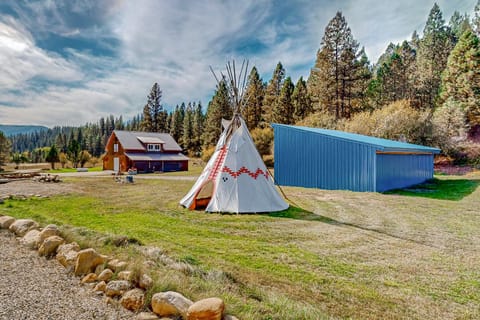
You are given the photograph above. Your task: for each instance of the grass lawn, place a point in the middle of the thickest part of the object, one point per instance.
(334, 254)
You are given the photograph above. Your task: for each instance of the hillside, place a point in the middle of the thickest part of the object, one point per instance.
(10, 130)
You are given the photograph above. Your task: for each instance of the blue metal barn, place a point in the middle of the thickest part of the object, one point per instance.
(336, 160)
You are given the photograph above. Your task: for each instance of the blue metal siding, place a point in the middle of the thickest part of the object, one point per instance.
(312, 160)
(398, 171)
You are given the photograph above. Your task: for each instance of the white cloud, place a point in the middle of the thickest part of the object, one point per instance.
(21, 60)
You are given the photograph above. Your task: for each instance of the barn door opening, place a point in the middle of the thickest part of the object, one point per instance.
(203, 196)
(116, 164)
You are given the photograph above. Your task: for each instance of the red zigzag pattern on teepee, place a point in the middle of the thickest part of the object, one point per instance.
(243, 170)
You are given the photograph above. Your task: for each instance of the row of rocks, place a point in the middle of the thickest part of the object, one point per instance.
(98, 271)
(20, 196)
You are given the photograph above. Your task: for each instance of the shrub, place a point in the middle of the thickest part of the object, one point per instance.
(396, 121)
(319, 120)
(268, 160)
(449, 127)
(263, 139)
(207, 153)
(468, 153)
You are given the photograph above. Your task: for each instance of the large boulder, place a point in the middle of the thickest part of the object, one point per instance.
(67, 254)
(117, 288)
(87, 261)
(170, 304)
(206, 309)
(133, 300)
(229, 317)
(21, 226)
(48, 231)
(105, 275)
(30, 239)
(6, 222)
(50, 245)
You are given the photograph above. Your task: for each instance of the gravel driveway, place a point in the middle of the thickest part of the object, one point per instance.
(30, 188)
(32, 287)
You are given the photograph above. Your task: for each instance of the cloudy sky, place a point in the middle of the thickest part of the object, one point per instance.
(68, 62)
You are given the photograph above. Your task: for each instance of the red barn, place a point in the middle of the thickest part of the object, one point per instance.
(144, 151)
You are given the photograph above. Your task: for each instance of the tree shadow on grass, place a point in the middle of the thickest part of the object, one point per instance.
(294, 212)
(442, 189)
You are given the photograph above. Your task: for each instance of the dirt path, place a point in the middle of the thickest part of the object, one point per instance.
(32, 287)
(30, 188)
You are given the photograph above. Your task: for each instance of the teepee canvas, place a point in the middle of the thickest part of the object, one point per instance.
(235, 178)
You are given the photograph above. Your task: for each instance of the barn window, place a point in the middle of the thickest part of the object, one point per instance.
(153, 147)
(115, 147)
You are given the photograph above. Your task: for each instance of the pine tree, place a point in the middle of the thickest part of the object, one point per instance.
(415, 42)
(99, 147)
(254, 93)
(80, 139)
(154, 117)
(119, 125)
(432, 57)
(283, 111)
(73, 152)
(5, 147)
(176, 124)
(458, 24)
(187, 128)
(333, 76)
(461, 79)
(408, 54)
(52, 156)
(393, 76)
(361, 79)
(302, 105)
(147, 124)
(272, 92)
(155, 107)
(476, 19)
(197, 129)
(218, 108)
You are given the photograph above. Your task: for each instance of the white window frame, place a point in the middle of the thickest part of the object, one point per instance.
(153, 147)
(115, 147)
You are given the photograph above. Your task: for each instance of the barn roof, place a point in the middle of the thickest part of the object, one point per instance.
(131, 140)
(138, 156)
(381, 144)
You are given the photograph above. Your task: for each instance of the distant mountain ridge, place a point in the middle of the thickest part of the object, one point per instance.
(10, 130)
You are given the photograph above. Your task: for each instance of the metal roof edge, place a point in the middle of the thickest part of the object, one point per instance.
(411, 147)
(301, 128)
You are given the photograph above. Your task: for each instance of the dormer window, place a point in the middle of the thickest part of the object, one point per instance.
(153, 147)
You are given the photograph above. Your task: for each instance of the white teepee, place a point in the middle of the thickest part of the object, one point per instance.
(235, 178)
